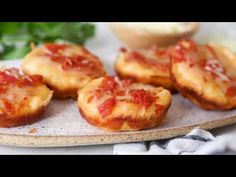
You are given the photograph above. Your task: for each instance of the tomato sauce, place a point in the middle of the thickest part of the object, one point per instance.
(149, 62)
(107, 106)
(142, 98)
(109, 85)
(13, 76)
(179, 52)
(231, 91)
(86, 62)
(178, 56)
(8, 106)
(6, 78)
(127, 82)
(31, 81)
(55, 48)
(3, 89)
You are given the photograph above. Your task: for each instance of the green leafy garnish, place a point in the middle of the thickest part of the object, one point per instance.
(15, 37)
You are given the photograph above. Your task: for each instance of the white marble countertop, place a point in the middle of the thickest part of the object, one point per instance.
(106, 42)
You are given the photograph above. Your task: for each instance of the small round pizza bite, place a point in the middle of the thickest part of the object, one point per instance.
(120, 105)
(64, 67)
(150, 66)
(206, 74)
(22, 98)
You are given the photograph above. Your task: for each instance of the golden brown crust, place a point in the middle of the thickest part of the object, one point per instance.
(154, 80)
(201, 83)
(60, 93)
(28, 116)
(116, 123)
(27, 119)
(122, 113)
(22, 98)
(197, 98)
(150, 68)
(57, 74)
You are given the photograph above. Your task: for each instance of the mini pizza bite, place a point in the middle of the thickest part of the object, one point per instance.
(64, 67)
(120, 105)
(22, 98)
(150, 66)
(206, 74)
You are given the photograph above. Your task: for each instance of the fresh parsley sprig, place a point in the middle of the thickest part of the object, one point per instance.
(15, 37)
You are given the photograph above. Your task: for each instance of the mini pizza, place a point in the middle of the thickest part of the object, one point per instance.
(206, 74)
(22, 98)
(65, 68)
(120, 105)
(149, 66)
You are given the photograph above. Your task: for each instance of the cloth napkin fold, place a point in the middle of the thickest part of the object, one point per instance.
(198, 141)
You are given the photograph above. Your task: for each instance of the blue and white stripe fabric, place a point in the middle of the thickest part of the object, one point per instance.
(197, 142)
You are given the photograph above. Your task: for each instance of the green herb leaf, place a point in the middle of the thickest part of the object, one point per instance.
(13, 52)
(15, 37)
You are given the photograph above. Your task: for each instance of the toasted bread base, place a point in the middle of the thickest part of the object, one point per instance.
(124, 123)
(125, 115)
(23, 119)
(65, 83)
(154, 80)
(60, 92)
(206, 94)
(30, 113)
(199, 99)
(140, 74)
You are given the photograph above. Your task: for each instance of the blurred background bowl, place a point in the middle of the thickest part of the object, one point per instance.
(144, 35)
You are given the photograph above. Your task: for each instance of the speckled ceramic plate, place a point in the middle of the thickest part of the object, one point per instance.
(62, 124)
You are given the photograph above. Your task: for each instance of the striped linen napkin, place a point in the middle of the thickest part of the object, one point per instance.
(196, 142)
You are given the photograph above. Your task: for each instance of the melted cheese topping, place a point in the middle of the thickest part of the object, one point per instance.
(147, 63)
(37, 62)
(25, 100)
(146, 66)
(122, 108)
(213, 66)
(211, 73)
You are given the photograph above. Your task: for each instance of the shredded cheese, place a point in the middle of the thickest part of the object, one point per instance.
(215, 67)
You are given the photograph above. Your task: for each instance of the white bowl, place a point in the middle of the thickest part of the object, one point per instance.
(144, 35)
